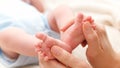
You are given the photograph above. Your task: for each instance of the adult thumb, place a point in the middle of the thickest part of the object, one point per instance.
(67, 58)
(90, 36)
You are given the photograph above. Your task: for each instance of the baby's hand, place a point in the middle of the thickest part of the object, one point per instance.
(45, 46)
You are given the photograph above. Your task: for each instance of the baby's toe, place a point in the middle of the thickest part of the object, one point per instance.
(79, 18)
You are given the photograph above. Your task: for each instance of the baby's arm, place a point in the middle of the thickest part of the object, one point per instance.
(14, 41)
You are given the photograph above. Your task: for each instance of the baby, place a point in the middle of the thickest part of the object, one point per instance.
(19, 22)
(22, 21)
(71, 34)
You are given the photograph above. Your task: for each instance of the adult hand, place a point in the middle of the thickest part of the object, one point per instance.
(68, 59)
(50, 63)
(99, 52)
(64, 60)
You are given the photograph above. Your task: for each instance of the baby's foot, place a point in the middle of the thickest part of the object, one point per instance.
(73, 35)
(45, 46)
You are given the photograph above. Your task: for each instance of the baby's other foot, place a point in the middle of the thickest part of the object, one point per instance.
(47, 42)
(74, 35)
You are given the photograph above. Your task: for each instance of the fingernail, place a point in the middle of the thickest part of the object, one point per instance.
(55, 50)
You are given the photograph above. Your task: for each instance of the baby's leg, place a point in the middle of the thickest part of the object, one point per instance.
(14, 41)
(45, 46)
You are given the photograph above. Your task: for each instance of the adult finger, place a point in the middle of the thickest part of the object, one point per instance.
(49, 63)
(90, 35)
(67, 58)
(103, 38)
(67, 26)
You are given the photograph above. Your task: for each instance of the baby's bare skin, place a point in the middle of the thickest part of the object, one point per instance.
(72, 35)
(73, 32)
(45, 45)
